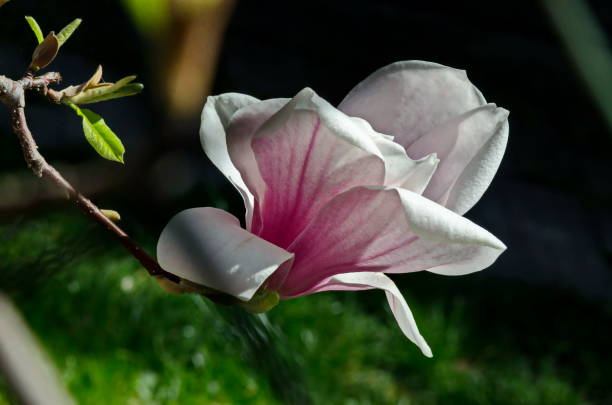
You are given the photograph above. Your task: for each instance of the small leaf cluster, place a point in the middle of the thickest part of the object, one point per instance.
(97, 132)
(47, 48)
(93, 91)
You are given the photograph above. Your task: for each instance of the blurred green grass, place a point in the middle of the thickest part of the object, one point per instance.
(119, 339)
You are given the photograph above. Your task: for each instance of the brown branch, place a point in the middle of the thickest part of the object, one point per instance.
(41, 84)
(12, 95)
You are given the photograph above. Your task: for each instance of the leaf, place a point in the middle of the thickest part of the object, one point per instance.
(101, 92)
(95, 79)
(103, 84)
(68, 30)
(92, 82)
(45, 52)
(120, 83)
(128, 90)
(35, 27)
(100, 136)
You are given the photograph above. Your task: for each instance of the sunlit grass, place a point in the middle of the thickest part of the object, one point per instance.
(117, 338)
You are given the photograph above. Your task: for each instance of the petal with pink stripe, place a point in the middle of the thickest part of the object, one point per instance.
(384, 229)
(306, 154)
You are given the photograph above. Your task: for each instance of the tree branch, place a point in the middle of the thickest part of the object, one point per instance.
(12, 95)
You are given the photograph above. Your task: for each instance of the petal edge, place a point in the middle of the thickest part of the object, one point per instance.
(215, 119)
(407, 99)
(397, 303)
(207, 246)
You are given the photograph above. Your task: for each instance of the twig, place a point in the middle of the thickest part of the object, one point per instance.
(12, 94)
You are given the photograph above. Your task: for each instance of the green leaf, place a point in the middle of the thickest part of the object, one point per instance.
(36, 28)
(121, 83)
(127, 90)
(67, 31)
(100, 136)
(94, 96)
(122, 88)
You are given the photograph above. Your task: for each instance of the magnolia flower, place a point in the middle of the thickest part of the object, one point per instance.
(337, 197)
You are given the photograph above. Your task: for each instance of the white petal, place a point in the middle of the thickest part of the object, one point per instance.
(470, 148)
(401, 170)
(419, 177)
(207, 246)
(463, 247)
(398, 304)
(216, 117)
(407, 99)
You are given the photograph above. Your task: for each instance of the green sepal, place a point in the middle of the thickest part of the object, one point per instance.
(100, 136)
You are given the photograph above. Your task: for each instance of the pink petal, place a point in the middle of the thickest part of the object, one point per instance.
(399, 307)
(207, 246)
(240, 133)
(385, 229)
(470, 148)
(306, 154)
(408, 99)
(216, 116)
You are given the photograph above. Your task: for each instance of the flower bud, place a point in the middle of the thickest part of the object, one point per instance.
(45, 52)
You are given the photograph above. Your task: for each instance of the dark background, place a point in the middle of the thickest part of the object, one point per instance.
(551, 201)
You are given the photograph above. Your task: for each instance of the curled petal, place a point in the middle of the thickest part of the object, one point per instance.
(363, 229)
(216, 116)
(407, 99)
(306, 153)
(399, 307)
(207, 246)
(470, 148)
(418, 178)
(401, 170)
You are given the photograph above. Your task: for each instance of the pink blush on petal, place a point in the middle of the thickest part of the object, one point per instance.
(304, 165)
